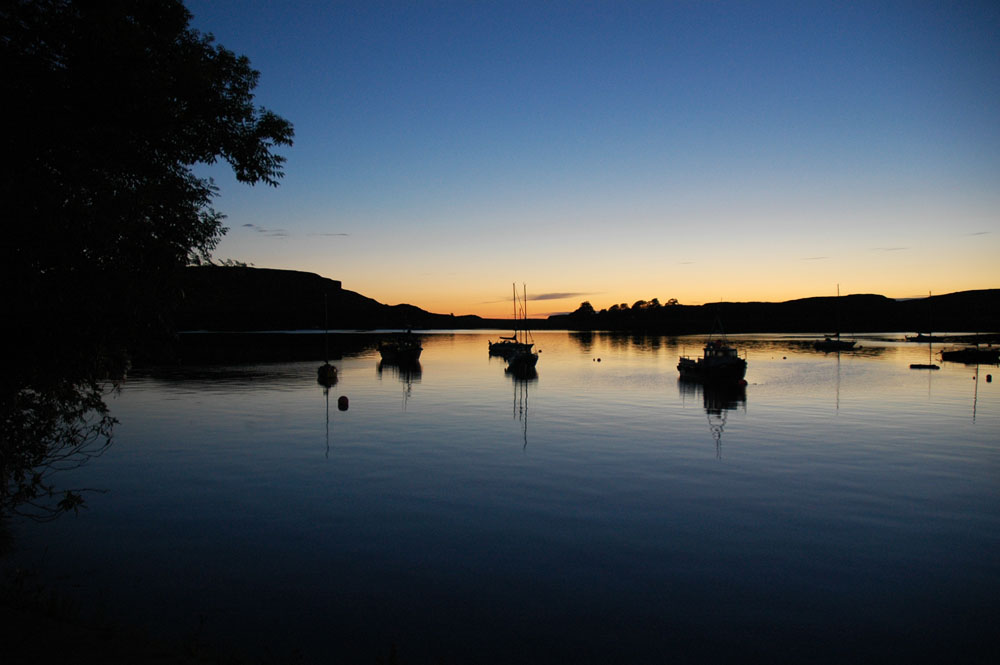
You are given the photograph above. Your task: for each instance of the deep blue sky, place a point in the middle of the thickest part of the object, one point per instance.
(618, 151)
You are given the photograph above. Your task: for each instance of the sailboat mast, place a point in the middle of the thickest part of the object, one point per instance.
(513, 291)
(930, 332)
(838, 312)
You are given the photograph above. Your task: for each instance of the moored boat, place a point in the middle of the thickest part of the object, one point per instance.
(522, 360)
(834, 344)
(405, 350)
(507, 347)
(972, 354)
(516, 349)
(326, 375)
(719, 363)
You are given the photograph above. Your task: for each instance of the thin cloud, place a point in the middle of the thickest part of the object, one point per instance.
(543, 296)
(979, 233)
(888, 249)
(685, 263)
(328, 234)
(815, 258)
(556, 296)
(271, 233)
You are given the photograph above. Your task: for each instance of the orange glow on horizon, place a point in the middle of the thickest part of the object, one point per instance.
(460, 286)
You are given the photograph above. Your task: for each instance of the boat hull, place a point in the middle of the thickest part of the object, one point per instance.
(522, 360)
(972, 356)
(707, 372)
(834, 345)
(399, 355)
(326, 375)
(508, 349)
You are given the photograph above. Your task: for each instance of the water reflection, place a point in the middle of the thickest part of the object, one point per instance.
(808, 347)
(426, 505)
(595, 343)
(326, 398)
(975, 393)
(521, 379)
(619, 341)
(718, 400)
(225, 379)
(407, 373)
(583, 339)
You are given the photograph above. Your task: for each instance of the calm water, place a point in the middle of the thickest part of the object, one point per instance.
(842, 509)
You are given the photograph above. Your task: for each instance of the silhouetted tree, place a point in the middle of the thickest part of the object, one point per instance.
(109, 105)
(585, 309)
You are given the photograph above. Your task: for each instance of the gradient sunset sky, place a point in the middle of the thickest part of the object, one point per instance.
(617, 151)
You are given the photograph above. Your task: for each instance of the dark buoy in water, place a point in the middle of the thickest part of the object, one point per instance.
(342, 403)
(598, 360)
(989, 378)
(742, 383)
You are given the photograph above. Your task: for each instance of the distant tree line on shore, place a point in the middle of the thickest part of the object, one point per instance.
(966, 311)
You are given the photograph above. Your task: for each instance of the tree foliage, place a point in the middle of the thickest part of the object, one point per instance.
(642, 315)
(110, 106)
(46, 430)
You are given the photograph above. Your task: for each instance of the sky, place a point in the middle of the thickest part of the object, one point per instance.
(620, 151)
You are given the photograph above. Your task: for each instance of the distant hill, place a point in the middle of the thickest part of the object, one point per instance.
(967, 311)
(239, 299)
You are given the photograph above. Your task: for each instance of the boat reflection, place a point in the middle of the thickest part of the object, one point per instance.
(521, 378)
(718, 400)
(407, 373)
(524, 373)
(326, 398)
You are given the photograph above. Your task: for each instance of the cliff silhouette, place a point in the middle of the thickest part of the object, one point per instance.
(224, 298)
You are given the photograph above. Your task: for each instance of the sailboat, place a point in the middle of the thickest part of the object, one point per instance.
(507, 347)
(516, 350)
(326, 374)
(973, 355)
(930, 342)
(834, 343)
